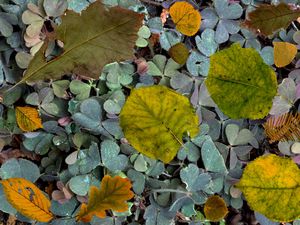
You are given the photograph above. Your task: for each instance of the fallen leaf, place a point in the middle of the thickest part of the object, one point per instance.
(28, 118)
(88, 42)
(179, 53)
(27, 199)
(17, 153)
(284, 53)
(270, 185)
(285, 127)
(112, 195)
(186, 18)
(267, 19)
(154, 120)
(215, 208)
(240, 83)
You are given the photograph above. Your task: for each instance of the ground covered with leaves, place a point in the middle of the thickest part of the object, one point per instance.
(149, 112)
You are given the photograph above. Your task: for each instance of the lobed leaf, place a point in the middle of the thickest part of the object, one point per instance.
(271, 187)
(112, 195)
(25, 197)
(154, 120)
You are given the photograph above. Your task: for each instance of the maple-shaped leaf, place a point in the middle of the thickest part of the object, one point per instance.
(28, 118)
(91, 39)
(267, 19)
(112, 195)
(27, 199)
(271, 187)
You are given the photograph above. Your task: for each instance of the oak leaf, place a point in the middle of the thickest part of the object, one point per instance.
(91, 39)
(186, 18)
(27, 199)
(112, 195)
(28, 118)
(155, 119)
(267, 19)
(271, 186)
(284, 53)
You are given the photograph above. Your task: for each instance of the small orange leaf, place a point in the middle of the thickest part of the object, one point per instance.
(179, 53)
(186, 18)
(27, 199)
(284, 53)
(112, 195)
(215, 208)
(28, 118)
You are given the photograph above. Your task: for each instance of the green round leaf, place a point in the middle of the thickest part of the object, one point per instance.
(240, 83)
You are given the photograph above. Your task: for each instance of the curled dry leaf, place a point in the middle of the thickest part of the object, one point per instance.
(28, 118)
(113, 194)
(27, 199)
(186, 18)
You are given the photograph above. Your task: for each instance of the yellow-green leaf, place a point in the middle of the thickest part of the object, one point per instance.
(271, 185)
(215, 208)
(28, 118)
(179, 53)
(186, 18)
(154, 120)
(240, 83)
(91, 39)
(284, 53)
(112, 195)
(27, 199)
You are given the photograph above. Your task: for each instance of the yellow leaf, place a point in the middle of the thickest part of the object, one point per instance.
(25, 197)
(215, 208)
(28, 118)
(112, 195)
(186, 18)
(284, 53)
(179, 53)
(271, 185)
(155, 119)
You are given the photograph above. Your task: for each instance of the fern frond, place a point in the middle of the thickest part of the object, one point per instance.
(285, 127)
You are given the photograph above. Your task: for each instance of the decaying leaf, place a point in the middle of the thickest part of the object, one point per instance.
(186, 18)
(17, 153)
(215, 208)
(285, 127)
(271, 187)
(284, 53)
(112, 195)
(25, 197)
(28, 118)
(267, 19)
(179, 53)
(240, 83)
(154, 120)
(91, 39)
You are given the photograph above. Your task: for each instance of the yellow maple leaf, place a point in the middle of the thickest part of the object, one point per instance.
(284, 53)
(27, 199)
(28, 118)
(112, 195)
(186, 18)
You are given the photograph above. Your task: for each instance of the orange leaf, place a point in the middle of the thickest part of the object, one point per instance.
(112, 195)
(25, 197)
(186, 18)
(284, 53)
(28, 118)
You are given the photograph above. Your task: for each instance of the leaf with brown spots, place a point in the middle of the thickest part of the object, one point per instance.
(28, 118)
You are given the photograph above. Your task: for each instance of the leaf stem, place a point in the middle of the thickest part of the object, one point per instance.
(171, 190)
